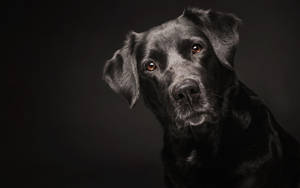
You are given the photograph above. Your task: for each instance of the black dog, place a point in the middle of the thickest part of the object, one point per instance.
(217, 132)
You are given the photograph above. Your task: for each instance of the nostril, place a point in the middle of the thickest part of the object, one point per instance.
(194, 91)
(180, 96)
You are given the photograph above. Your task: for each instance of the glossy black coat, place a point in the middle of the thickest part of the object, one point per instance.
(220, 135)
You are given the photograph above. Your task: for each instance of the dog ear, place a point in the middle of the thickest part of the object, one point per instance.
(221, 29)
(120, 72)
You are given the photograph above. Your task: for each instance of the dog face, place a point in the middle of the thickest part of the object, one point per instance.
(182, 68)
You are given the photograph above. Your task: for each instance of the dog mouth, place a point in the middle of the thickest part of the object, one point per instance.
(196, 119)
(196, 115)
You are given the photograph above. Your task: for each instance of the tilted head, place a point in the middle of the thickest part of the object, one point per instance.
(182, 68)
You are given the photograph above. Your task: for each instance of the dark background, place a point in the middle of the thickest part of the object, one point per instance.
(71, 130)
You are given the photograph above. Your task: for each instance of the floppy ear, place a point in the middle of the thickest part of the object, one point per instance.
(120, 72)
(221, 29)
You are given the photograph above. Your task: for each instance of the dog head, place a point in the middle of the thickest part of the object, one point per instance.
(182, 68)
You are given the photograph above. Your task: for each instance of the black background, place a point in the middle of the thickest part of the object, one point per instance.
(71, 130)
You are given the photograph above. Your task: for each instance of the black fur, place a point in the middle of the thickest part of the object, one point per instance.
(217, 132)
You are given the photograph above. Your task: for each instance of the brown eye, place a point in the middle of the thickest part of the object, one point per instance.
(150, 66)
(196, 48)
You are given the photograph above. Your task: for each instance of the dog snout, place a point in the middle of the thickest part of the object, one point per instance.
(185, 90)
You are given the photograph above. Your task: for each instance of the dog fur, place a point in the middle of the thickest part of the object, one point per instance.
(217, 132)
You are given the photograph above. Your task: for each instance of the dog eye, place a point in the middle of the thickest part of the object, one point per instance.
(196, 48)
(150, 66)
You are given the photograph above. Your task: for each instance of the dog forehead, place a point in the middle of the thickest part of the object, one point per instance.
(167, 34)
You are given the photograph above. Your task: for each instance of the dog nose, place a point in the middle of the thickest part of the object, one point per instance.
(185, 90)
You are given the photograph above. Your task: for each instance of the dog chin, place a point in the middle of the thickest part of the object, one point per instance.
(196, 120)
(199, 119)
